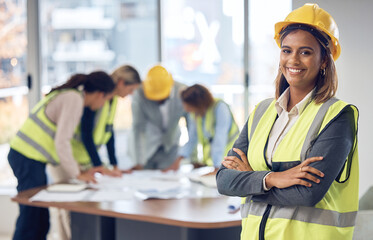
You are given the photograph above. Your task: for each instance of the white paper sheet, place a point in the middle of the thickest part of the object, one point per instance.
(66, 187)
(47, 196)
(147, 184)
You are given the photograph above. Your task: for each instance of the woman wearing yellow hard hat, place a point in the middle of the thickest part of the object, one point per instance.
(295, 163)
(156, 110)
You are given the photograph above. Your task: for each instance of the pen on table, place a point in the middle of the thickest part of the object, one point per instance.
(233, 209)
(234, 204)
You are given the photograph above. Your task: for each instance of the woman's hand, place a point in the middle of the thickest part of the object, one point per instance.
(198, 165)
(116, 172)
(295, 175)
(87, 176)
(211, 173)
(105, 171)
(233, 162)
(137, 167)
(174, 166)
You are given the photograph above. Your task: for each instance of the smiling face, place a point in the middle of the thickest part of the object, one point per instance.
(300, 60)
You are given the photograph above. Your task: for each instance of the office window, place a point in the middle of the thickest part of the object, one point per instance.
(264, 53)
(13, 89)
(203, 43)
(84, 36)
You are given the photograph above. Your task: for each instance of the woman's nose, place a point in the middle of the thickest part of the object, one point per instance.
(294, 58)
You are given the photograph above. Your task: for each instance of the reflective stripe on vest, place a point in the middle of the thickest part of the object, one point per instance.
(102, 131)
(334, 216)
(209, 127)
(38, 147)
(104, 120)
(304, 214)
(35, 139)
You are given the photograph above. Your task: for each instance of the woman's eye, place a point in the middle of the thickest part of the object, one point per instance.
(306, 52)
(285, 50)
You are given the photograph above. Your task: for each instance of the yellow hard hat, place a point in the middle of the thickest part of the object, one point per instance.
(316, 17)
(158, 83)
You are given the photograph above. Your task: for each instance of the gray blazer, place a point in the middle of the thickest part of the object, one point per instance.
(148, 133)
(333, 143)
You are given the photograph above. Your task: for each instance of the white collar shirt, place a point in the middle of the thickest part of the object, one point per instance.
(284, 121)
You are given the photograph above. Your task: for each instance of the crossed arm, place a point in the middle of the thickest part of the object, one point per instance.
(292, 187)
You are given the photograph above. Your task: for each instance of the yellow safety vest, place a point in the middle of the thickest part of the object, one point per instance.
(102, 131)
(331, 218)
(210, 122)
(35, 139)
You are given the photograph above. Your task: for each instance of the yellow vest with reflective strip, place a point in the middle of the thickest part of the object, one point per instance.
(102, 131)
(210, 122)
(331, 218)
(35, 139)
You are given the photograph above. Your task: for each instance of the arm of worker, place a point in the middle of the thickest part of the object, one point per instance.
(240, 183)
(186, 150)
(68, 117)
(138, 132)
(110, 146)
(222, 127)
(333, 144)
(87, 125)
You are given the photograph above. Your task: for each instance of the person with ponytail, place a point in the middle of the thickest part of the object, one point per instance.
(97, 129)
(48, 136)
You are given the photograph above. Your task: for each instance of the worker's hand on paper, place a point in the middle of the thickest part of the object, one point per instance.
(174, 166)
(87, 176)
(296, 175)
(137, 167)
(212, 173)
(198, 165)
(105, 171)
(116, 172)
(233, 162)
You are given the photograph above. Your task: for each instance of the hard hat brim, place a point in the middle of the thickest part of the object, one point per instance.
(156, 96)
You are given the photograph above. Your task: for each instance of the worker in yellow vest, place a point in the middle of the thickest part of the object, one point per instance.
(96, 129)
(97, 126)
(46, 137)
(100, 130)
(210, 123)
(295, 162)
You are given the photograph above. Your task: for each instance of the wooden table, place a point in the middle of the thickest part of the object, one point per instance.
(184, 219)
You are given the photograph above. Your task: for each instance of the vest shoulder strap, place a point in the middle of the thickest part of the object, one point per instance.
(315, 127)
(260, 110)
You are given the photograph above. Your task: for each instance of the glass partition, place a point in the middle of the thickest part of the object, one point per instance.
(13, 89)
(83, 36)
(264, 53)
(203, 43)
(88, 35)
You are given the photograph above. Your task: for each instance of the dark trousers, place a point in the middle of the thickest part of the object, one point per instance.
(32, 222)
